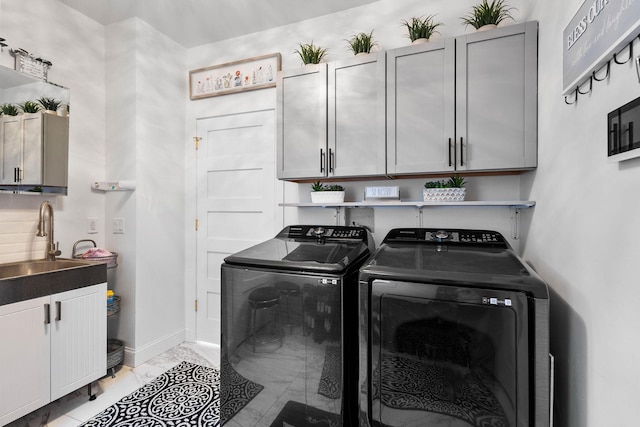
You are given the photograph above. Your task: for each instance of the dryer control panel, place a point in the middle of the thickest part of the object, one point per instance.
(483, 238)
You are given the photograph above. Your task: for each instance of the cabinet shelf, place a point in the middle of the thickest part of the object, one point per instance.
(518, 204)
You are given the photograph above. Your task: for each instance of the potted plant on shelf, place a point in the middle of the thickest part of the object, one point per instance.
(321, 193)
(28, 107)
(451, 190)
(361, 43)
(50, 105)
(310, 53)
(485, 15)
(9, 110)
(421, 29)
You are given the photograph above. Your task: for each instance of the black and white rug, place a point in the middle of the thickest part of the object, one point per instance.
(236, 392)
(433, 387)
(186, 395)
(330, 381)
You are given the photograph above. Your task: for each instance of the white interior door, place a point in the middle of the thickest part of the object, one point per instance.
(237, 201)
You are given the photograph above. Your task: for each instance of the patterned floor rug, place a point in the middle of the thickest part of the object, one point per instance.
(432, 387)
(236, 391)
(330, 382)
(186, 395)
(296, 414)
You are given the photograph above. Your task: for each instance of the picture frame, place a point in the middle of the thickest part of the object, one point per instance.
(254, 73)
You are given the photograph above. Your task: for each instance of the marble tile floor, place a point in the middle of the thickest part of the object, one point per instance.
(75, 408)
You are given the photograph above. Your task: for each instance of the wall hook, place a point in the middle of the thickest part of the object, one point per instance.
(608, 67)
(590, 87)
(630, 47)
(575, 97)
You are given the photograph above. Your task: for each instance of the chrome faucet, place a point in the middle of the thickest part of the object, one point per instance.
(52, 248)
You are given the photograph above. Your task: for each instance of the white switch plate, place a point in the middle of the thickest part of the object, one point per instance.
(118, 225)
(92, 225)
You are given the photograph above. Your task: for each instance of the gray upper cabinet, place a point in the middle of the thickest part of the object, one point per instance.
(420, 108)
(464, 104)
(302, 122)
(496, 98)
(356, 121)
(34, 150)
(456, 104)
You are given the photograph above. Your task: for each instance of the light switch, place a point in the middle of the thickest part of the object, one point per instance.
(92, 225)
(118, 225)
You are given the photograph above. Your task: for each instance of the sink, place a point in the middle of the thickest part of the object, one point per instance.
(20, 281)
(27, 268)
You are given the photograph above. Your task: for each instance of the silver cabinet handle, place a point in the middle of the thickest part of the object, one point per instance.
(58, 311)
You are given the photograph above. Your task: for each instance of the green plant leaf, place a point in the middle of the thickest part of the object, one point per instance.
(486, 13)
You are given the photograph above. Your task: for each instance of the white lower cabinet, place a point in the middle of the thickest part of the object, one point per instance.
(51, 346)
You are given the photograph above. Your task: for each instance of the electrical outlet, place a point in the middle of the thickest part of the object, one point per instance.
(118, 225)
(92, 226)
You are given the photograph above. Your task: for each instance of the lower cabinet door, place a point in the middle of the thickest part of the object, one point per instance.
(24, 358)
(78, 338)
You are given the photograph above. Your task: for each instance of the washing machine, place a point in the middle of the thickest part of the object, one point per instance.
(289, 329)
(454, 331)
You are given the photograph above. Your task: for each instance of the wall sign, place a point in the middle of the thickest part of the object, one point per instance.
(598, 29)
(248, 74)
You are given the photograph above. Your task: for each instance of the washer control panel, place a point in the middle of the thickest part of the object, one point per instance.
(321, 232)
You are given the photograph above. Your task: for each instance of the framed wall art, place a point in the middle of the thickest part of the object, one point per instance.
(238, 76)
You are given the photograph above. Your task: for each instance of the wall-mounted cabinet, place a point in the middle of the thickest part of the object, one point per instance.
(34, 149)
(302, 122)
(457, 104)
(356, 119)
(331, 120)
(464, 104)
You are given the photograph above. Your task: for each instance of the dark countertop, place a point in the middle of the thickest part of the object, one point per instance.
(22, 288)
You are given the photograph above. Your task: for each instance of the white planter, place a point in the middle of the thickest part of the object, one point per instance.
(444, 194)
(487, 27)
(327, 196)
(420, 41)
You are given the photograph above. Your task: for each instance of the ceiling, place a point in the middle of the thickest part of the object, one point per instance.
(197, 22)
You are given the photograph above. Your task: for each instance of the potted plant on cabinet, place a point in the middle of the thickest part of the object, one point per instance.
(321, 193)
(421, 29)
(9, 110)
(361, 43)
(451, 190)
(29, 107)
(49, 105)
(310, 53)
(485, 15)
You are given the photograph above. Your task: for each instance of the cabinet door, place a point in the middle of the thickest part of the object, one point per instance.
(78, 338)
(356, 120)
(11, 148)
(32, 149)
(24, 359)
(420, 108)
(496, 98)
(302, 122)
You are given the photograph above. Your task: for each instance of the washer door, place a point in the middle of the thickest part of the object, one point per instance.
(448, 356)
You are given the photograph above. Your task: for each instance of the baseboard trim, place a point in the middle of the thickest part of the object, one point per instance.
(137, 356)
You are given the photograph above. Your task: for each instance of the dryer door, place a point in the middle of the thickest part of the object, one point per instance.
(448, 356)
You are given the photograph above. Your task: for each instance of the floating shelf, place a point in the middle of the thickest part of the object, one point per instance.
(114, 185)
(416, 204)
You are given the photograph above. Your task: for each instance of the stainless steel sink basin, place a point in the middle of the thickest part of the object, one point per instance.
(20, 281)
(27, 268)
